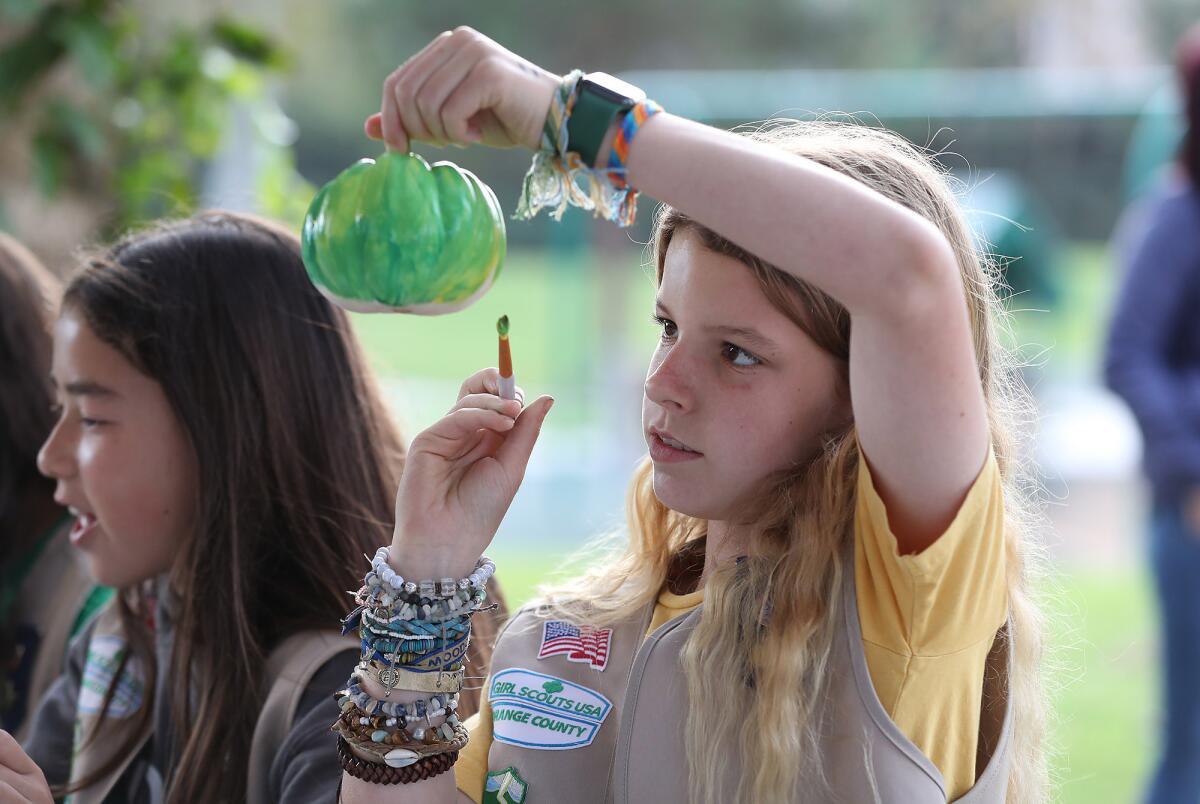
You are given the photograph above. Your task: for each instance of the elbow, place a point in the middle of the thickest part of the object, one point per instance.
(923, 274)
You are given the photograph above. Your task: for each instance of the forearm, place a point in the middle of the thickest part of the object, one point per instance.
(860, 247)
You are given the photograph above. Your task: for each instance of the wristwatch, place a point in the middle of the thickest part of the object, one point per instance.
(600, 97)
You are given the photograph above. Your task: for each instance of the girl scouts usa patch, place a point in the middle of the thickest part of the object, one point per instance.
(535, 710)
(504, 787)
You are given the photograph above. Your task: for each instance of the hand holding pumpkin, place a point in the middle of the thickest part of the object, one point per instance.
(397, 235)
(464, 88)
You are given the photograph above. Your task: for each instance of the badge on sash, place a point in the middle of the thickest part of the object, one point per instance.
(104, 656)
(579, 643)
(504, 787)
(534, 710)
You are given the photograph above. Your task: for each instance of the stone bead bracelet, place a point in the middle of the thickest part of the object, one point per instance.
(382, 575)
(400, 714)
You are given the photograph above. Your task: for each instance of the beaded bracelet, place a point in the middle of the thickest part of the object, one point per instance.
(383, 576)
(395, 640)
(377, 743)
(377, 729)
(463, 603)
(355, 696)
(396, 622)
(381, 773)
(374, 730)
(401, 748)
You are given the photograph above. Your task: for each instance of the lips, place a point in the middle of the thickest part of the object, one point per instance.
(665, 448)
(85, 525)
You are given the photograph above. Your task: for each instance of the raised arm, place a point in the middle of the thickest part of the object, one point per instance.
(916, 393)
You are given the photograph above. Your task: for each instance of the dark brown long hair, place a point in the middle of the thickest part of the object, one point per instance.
(28, 298)
(297, 459)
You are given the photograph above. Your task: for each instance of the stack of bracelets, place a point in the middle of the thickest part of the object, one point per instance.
(414, 638)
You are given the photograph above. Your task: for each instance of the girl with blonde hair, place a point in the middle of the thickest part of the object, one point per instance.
(825, 592)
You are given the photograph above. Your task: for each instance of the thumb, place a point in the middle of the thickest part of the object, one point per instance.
(374, 126)
(514, 453)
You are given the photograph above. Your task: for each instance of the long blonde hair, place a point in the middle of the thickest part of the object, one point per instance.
(772, 616)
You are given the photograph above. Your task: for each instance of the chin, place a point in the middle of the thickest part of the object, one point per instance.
(684, 499)
(105, 573)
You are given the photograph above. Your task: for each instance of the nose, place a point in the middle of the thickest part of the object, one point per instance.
(670, 380)
(56, 458)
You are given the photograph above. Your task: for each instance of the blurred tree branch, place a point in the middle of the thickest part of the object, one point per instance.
(131, 116)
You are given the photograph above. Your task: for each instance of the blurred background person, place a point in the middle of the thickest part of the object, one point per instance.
(45, 593)
(1153, 363)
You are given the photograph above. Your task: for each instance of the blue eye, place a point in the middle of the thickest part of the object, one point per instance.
(738, 356)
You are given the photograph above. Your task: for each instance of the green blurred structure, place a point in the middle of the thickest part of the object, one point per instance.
(1154, 142)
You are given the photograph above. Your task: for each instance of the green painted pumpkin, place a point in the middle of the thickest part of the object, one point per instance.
(397, 235)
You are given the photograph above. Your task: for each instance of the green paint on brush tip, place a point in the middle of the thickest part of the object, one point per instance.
(502, 326)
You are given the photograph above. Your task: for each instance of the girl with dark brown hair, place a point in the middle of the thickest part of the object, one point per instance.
(227, 456)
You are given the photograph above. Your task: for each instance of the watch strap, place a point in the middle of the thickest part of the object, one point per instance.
(591, 115)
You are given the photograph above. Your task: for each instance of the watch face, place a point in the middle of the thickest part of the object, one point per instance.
(612, 88)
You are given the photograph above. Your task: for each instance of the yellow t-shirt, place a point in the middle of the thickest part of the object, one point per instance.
(928, 622)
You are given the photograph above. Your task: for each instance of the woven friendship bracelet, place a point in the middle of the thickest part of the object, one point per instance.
(554, 179)
(618, 154)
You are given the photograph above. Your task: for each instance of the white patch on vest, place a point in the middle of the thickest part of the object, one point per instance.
(103, 658)
(535, 710)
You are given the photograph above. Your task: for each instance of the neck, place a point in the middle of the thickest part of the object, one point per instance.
(725, 543)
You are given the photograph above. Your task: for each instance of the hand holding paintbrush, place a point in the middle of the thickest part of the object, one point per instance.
(462, 473)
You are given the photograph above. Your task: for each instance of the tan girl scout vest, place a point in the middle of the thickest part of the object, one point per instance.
(596, 716)
(290, 667)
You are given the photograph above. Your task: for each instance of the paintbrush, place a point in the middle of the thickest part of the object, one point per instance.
(508, 384)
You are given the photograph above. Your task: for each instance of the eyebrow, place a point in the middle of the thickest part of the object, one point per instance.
(751, 337)
(88, 388)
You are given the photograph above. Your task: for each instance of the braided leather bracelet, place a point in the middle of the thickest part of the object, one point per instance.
(382, 774)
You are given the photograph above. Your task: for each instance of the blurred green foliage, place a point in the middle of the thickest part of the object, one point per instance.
(140, 112)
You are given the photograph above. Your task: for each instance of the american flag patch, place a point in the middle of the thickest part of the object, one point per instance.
(579, 643)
